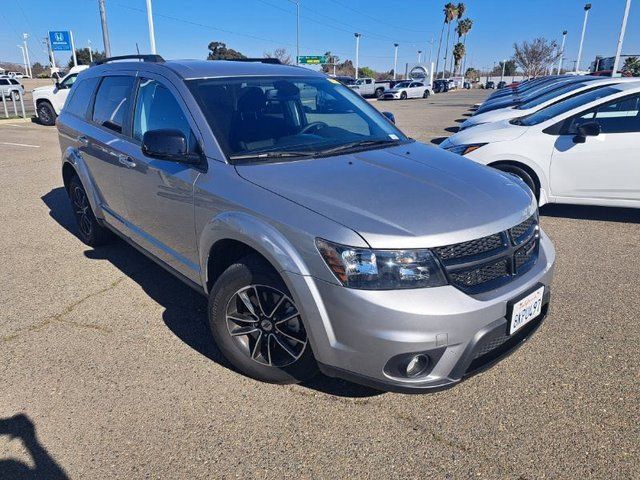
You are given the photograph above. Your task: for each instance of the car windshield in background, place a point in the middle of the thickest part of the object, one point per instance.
(281, 117)
(567, 105)
(545, 97)
(402, 85)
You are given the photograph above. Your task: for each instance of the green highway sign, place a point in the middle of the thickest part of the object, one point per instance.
(313, 60)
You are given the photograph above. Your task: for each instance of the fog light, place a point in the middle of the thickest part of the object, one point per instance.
(417, 365)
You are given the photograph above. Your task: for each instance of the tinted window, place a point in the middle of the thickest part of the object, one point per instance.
(69, 81)
(112, 102)
(4, 81)
(550, 95)
(14, 82)
(78, 102)
(619, 116)
(157, 108)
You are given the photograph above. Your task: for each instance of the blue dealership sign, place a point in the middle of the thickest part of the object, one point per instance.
(60, 40)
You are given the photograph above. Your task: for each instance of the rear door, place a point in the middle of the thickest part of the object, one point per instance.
(159, 193)
(604, 167)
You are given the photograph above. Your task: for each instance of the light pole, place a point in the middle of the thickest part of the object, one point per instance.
(587, 7)
(616, 62)
(297, 4)
(431, 49)
(395, 59)
(564, 39)
(105, 30)
(90, 52)
(358, 35)
(419, 55)
(504, 64)
(152, 34)
(26, 52)
(24, 59)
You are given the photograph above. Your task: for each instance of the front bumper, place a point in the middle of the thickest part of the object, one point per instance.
(358, 334)
(390, 96)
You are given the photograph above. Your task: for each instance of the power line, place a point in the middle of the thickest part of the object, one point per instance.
(377, 19)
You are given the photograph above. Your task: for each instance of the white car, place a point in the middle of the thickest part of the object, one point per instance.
(48, 101)
(583, 150)
(549, 98)
(11, 88)
(404, 90)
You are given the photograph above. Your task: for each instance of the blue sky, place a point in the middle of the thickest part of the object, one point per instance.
(184, 28)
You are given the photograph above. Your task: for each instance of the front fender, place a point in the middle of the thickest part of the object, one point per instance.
(257, 234)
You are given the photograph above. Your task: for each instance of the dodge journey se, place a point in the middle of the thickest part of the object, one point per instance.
(324, 238)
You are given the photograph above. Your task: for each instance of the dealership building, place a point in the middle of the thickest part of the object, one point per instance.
(606, 63)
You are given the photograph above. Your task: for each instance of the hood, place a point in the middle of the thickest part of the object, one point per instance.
(46, 88)
(409, 196)
(500, 131)
(492, 116)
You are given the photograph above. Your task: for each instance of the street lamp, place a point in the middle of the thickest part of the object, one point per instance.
(26, 53)
(152, 34)
(357, 35)
(616, 62)
(564, 38)
(419, 55)
(587, 7)
(24, 59)
(297, 3)
(395, 59)
(90, 52)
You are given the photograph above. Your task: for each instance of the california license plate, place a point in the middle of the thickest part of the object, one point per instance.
(525, 310)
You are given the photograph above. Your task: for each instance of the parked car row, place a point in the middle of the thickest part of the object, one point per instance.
(323, 236)
(571, 139)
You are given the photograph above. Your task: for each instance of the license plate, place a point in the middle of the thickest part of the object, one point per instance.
(525, 310)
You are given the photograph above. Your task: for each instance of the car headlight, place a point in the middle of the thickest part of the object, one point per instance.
(368, 269)
(464, 149)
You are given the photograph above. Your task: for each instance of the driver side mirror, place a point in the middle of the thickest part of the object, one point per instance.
(57, 84)
(167, 144)
(588, 129)
(390, 116)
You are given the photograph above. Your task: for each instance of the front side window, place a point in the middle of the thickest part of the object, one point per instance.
(14, 82)
(308, 115)
(158, 109)
(112, 102)
(619, 116)
(78, 102)
(69, 81)
(4, 81)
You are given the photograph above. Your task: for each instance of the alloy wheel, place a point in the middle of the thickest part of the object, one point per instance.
(266, 325)
(82, 210)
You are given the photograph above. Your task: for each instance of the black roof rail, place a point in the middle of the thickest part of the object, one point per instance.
(143, 58)
(274, 61)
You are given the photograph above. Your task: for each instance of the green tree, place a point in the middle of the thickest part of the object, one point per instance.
(366, 72)
(463, 29)
(458, 53)
(82, 54)
(510, 68)
(37, 69)
(460, 9)
(219, 51)
(632, 66)
(450, 12)
(472, 74)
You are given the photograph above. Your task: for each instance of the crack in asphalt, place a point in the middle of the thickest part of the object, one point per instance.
(60, 317)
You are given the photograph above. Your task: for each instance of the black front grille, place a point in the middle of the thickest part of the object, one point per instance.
(486, 263)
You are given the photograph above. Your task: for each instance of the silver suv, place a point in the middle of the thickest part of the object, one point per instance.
(323, 236)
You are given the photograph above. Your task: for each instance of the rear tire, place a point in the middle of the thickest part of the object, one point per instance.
(525, 176)
(89, 230)
(426, 94)
(46, 114)
(251, 331)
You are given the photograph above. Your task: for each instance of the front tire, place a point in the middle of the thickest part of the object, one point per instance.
(379, 92)
(89, 230)
(523, 175)
(257, 326)
(46, 114)
(403, 96)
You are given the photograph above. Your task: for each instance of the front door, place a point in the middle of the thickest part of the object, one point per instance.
(606, 166)
(159, 193)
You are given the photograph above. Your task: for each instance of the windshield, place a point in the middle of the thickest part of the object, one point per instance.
(402, 85)
(251, 115)
(550, 95)
(566, 105)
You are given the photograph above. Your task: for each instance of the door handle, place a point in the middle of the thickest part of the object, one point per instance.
(126, 161)
(83, 141)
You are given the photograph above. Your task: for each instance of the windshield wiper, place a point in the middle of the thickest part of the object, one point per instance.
(358, 144)
(271, 154)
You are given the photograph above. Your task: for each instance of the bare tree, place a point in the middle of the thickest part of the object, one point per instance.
(535, 57)
(281, 54)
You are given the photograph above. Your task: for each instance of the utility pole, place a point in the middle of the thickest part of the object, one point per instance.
(587, 7)
(395, 60)
(26, 52)
(52, 58)
(90, 52)
(564, 39)
(616, 62)
(297, 4)
(419, 55)
(105, 30)
(358, 35)
(152, 34)
(431, 49)
(73, 49)
(504, 64)
(24, 59)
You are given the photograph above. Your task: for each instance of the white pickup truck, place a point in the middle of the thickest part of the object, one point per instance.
(368, 87)
(48, 101)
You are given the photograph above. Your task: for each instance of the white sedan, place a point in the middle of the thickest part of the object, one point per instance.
(583, 150)
(404, 90)
(554, 95)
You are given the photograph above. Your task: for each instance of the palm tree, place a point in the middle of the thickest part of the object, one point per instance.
(449, 15)
(459, 12)
(458, 53)
(463, 29)
(440, 43)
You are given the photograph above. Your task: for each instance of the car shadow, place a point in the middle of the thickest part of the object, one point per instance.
(452, 129)
(460, 120)
(588, 212)
(438, 140)
(185, 310)
(41, 466)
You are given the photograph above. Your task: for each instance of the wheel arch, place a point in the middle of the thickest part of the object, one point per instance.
(533, 170)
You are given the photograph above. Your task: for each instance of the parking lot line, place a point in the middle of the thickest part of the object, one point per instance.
(19, 144)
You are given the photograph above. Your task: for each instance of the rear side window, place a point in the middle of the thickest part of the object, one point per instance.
(4, 81)
(78, 103)
(14, 82)
(620, 116)
(112, 102)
